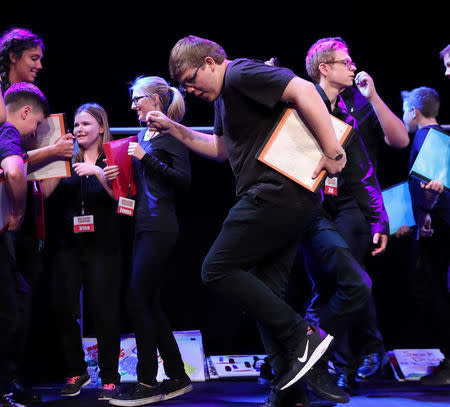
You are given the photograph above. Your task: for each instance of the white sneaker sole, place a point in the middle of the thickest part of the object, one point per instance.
(140, 402)
(79, 391)
(315, 356)
(177, 393)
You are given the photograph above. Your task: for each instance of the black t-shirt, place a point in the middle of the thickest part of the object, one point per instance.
(245, 113)
(66, 202)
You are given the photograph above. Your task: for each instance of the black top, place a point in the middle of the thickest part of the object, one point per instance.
(66, 202)
(245, 113)
(357, 180)
(164, 168)
(442, 207)
(369, 126)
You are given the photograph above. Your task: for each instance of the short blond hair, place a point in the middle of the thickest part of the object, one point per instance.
(322, 52)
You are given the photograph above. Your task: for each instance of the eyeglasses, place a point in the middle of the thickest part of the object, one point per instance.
(136, 99)
(347, 62)
(190, 81)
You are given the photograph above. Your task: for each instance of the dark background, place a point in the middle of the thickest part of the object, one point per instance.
(94, 50)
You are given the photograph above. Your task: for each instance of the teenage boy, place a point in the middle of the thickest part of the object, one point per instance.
(26, 107)
(273, 213)
(431, 205)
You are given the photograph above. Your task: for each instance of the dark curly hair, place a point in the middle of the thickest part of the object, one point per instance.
(15, 40)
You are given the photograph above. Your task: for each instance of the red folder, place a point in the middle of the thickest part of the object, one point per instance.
(116, 152)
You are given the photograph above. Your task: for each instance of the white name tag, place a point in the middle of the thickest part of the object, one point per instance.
(331, 186)
(126, 206)
(83, 224)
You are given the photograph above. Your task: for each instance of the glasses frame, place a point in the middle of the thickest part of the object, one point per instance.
(190, 81)
(136, 99)
(347, 62)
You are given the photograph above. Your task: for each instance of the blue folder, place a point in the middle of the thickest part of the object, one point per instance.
(433, 160)
(398, 204)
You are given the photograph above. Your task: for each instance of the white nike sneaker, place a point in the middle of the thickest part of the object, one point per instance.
(310, 350)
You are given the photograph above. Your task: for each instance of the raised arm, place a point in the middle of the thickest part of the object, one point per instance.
(207, 145)
(395, 132)
(62, 149)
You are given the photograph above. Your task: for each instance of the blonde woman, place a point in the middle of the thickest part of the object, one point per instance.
(161, 166)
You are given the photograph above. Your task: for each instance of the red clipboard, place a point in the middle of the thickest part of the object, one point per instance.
(116, 152)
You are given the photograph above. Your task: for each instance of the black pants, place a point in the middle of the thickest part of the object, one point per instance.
(260, 237)
(9, 305)
(98, 272)
(343, 284)
(151, 326)
(428, 287)
(362, 335)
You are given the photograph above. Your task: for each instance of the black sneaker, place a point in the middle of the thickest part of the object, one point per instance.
(294, 397)
(323, 384)
(74, 384)
(310, 350)
(108, 391)
(440, 375)
(176, 387)
(138, 396)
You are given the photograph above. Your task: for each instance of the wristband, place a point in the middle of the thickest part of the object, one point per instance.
(337, 158)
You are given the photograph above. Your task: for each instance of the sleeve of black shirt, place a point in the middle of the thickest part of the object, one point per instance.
(361, 182)
(173, 166)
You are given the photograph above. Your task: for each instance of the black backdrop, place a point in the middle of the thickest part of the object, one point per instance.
(94, 50)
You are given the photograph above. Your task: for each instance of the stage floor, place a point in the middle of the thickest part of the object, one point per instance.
(249, 393)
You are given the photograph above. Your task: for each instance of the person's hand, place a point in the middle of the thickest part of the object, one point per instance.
(158, 121)
(64, 146)
(424, 225)
(14, 222)
(270, 62)
(379, 241)
(364, 83)
(332, 167)
(403, 231)
(85, 169)
(431, 193)
(135, 150)
(111, 172)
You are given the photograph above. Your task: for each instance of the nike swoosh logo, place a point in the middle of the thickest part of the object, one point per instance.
(303, 358)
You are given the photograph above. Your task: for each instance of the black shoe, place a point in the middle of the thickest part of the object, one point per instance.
(20, 394)
(322, 383)
(74, 384)
(440, 375)
(310, 350)
(176, 387)
(316, 401)
(346, 382)
(108, 391)
(295, 396)
(7, 401)
(265, 373)
(370, 365)
(138, 396)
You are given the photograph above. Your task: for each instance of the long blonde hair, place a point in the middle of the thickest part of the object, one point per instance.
(172, 101)
(99, 114)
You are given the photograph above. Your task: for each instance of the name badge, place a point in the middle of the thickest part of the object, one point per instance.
(331, 186)
(83, 224)
(125, 206)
